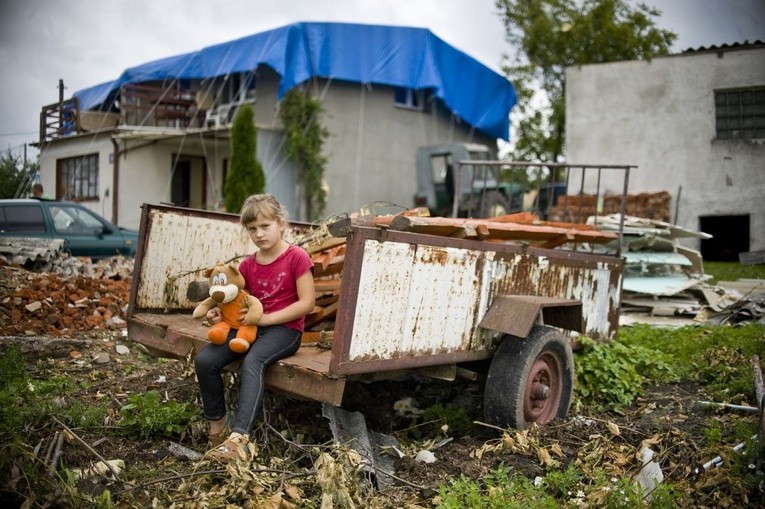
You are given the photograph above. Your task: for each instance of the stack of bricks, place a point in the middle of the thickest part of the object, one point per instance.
(577, 208)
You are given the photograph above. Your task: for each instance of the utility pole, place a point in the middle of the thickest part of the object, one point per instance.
(60, 105)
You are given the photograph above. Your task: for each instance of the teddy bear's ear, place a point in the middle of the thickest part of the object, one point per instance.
(208, 272)
(234, 268)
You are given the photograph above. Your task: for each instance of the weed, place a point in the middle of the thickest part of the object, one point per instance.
(718, 357)
(563, 483)
(611, 376)
(147, 415)
(713, 433)
(456, 418)
(499, 490)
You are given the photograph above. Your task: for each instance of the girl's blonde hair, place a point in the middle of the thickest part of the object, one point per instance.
(261, 204)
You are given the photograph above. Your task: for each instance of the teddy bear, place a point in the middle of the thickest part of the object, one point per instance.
(227, 293)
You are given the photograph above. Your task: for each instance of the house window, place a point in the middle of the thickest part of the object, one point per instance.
(410, 98)
(232, 88)
(740, 113)
(77, 178)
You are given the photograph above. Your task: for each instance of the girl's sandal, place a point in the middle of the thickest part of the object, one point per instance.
(232, 448)
(215, 439)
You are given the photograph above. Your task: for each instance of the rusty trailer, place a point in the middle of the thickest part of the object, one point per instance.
(408, 302)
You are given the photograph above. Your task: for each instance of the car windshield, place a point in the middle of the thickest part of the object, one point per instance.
(73, 220)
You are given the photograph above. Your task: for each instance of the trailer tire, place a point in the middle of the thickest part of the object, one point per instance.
(530, 380)
(494, 204)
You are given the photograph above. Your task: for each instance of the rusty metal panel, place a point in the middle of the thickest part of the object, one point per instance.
(177, 248)
(176, 244)
(415, 299)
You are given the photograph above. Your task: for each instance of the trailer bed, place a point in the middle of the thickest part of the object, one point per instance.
(177, 335)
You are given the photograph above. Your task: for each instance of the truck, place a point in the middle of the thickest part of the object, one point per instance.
(468, 303)
(461, 180)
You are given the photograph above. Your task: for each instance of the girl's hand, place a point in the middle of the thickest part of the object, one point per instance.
(214, 316)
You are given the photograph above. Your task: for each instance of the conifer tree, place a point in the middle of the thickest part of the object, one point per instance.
(245, 175)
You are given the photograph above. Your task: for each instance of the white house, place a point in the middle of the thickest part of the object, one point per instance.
(693, 124)
(160, 132)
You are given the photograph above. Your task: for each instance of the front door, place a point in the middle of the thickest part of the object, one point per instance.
(188, 182)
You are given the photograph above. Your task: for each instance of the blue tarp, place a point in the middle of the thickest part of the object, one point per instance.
(386, 55)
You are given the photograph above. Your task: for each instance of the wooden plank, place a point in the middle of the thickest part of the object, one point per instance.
(325, 313)
(327, 285)
(497, 230)
(304, 374)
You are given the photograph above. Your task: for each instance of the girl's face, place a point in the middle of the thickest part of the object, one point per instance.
(265, 233)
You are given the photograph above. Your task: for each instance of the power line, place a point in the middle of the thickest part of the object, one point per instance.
(18, 134)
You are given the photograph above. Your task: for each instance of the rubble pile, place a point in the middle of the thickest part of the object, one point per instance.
(663, 278)
(569, 208)
(41, 303)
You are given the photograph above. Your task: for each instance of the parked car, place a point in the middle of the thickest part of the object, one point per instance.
(85, 233)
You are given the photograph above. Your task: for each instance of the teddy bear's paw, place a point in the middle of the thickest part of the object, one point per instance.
(238, 345)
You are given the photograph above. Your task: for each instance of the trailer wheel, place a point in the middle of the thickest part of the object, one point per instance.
(530, 379)
(494, 204)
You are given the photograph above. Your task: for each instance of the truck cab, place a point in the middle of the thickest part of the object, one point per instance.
(481, 192)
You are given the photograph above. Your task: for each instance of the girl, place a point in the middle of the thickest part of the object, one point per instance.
(280, 275)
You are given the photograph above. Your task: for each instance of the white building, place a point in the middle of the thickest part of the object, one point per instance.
(693, 124)
(160, 133)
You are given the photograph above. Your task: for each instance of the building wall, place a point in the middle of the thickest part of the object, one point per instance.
(77, 147)
(372, 147)
(660, 116)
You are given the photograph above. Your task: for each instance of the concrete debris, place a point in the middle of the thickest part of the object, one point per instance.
(47, 255)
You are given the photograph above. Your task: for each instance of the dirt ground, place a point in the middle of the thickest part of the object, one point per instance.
(666, 417)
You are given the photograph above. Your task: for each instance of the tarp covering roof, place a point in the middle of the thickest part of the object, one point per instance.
(386, 55)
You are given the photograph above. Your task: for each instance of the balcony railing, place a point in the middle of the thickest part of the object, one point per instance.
(139, 105)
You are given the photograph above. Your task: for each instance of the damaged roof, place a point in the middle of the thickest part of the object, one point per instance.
(369, 54)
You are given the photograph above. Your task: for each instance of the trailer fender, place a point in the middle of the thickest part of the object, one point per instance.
(517, 314)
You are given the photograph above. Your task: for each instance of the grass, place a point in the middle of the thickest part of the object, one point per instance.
(731, 271)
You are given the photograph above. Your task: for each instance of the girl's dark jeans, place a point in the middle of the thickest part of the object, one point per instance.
(274, 342)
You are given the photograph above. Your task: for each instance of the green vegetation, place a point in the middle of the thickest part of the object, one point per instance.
(731, 271)
(245, 176)
(15, 177)
(147, 415)
(611, 376)
(305, 135)
(718, 357)
(549, 35)
(499, 490)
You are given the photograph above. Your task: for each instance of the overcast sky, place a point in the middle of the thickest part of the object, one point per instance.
(87, 42)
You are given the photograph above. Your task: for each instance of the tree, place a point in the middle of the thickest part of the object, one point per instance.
(305, 135)
(550, 35)
(245, 176)
(15, 178)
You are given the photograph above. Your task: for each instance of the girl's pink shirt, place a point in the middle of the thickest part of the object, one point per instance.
(274, 284)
